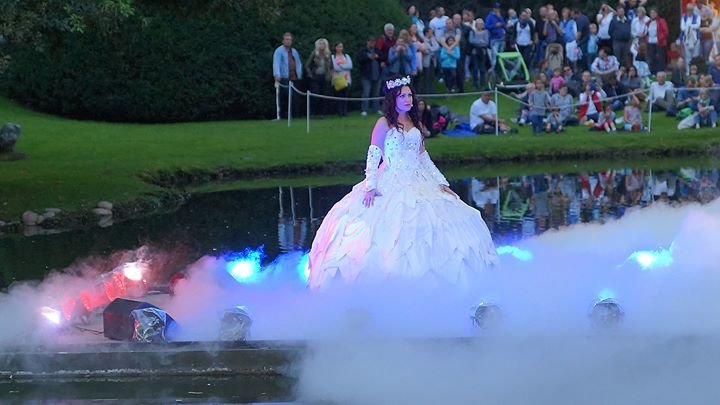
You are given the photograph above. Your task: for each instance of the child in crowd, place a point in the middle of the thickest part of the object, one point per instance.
(524, 110)
(449, 56)
(632, 115)
(590, 105)
(564, 102)
(707, 116)
(592, 43)
(539, 101)
(556, 81)
(554, 121)
(606, 119)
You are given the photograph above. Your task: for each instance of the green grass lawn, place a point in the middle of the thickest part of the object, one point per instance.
(74, 164)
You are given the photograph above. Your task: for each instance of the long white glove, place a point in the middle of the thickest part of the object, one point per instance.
(431, 169)
(371, 167)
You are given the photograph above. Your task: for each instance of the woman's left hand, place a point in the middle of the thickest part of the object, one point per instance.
(447, 189)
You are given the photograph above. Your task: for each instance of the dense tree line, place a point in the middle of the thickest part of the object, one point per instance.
(163, 60)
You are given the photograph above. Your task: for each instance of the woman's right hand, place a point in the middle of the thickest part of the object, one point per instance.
(370, 197)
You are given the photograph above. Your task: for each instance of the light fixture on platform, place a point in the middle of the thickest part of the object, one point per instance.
(606, 313)
(235, 324)
(486, 315)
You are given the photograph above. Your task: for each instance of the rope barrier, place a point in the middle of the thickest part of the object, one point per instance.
(308, 95)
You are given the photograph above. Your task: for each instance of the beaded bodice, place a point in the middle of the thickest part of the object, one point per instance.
(402, 149)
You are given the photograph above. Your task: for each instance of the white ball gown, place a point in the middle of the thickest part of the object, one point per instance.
(412, 230)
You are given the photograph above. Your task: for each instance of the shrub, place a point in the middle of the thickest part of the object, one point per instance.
(167, 63)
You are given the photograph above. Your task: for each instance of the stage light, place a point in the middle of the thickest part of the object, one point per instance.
(235, 325)
(52, 315)
(246, 268)
(133, 271)
(303, 268)
(606, 294)
(651, 259)
(486, 315)
(150, 325)
(516, 252)
(606, 313)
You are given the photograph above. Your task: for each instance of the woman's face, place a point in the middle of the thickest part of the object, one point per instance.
(339, 48)
(321, 46)
(421, 106)
(404, 100)
(413, 29)
(632, 72)
(653, 14)
(411, 11)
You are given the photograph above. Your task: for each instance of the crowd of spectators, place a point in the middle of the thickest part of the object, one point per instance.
(599, 69)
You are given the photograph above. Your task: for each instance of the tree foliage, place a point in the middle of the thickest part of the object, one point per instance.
(165, 60)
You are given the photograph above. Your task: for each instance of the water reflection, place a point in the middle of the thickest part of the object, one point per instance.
(523, 206)
(286, 218)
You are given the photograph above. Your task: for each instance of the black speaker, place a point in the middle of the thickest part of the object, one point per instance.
(118, 323)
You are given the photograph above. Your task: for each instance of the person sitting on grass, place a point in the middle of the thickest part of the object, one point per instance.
(662, 95)
(707, 116)
(632, 115)
(556, 81)
(590, 105)
(538, 102)
(606, 119)
(524, 110)
(483, 116)
(605, 65)
(554, 121)
(564, 102)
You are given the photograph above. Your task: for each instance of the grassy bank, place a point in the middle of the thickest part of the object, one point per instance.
(73, 164)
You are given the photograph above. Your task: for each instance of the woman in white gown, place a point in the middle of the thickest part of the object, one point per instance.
(403, 221)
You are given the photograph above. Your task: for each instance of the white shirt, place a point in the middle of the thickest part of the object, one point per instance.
(524, 35)
(479, 108)
(652, 32)
(604, 28)
(657, 90)
(438, 25)
(639, 26)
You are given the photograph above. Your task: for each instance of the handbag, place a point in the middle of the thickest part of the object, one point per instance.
(339, 82)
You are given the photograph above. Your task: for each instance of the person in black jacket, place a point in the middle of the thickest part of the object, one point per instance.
(621, 34)
(369, 60)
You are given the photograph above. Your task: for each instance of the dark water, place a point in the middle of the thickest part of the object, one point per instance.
(284, 218)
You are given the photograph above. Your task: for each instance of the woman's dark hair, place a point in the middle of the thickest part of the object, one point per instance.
(390, 104)
(633, 68)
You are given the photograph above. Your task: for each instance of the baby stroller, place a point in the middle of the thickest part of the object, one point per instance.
(554, 57)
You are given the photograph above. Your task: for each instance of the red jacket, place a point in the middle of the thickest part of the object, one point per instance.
(384, 44)
(582, 111)
(662, 31)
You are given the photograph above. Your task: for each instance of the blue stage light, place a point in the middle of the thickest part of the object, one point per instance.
(606, 295)
(516, 252)
(652, 259)
(246, 267)
(303, 268)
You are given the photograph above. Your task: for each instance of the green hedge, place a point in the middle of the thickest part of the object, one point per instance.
(164, 64)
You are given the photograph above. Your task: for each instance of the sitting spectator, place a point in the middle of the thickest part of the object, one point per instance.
(483, 116)
(538, 102)
(616, 92)
(524, 110)
(632, 116)
(714, 70)
(554, 121)
(687, 96)
(590, 105)
(677, 76)
(693, 72)
(606, 119)
(605, 65)
(631, 80)
(449, 56)
(556, 81)
(661, 95)
(707, 116)
(564, 102)
(426, 119)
